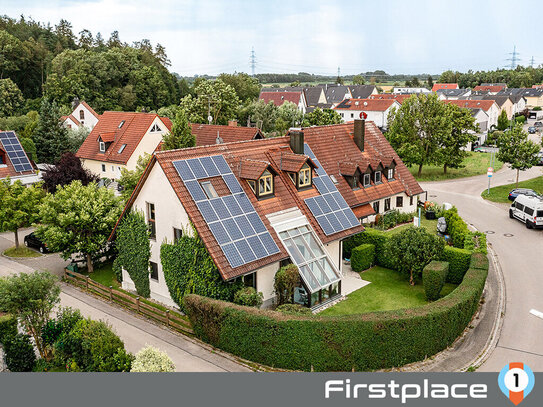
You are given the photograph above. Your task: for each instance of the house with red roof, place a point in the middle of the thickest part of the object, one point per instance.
(278, 98)
(208, 134)
(397, 97)
(82, 115)
(260, 204)
(488, 106)
(375, 110)
(438, 86)
(490, 89)
(14, 162)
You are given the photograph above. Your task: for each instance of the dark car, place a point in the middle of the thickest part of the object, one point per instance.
(531, 130)
(538, 124)
(32, 240)
(521, 191)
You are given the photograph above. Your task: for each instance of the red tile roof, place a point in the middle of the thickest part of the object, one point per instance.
(252, 169)
(397, 97)
(438, 86)
(206, 134)
(278, 98)
(368, 105)
(489, 88)
(485, 105)
(72, 118)
(130, 133)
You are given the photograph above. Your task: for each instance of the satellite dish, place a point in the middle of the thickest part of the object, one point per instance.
(209, 119)
(365, 103)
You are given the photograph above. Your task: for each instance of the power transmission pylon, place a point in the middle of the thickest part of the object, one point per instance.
(252, 61)
(514, 57)
(532, 62)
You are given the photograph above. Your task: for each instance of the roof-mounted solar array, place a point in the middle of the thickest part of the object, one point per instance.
(15, 151)
(329, 208)
(239, 231)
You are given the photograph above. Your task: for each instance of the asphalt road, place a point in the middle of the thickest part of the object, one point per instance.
(519, 251)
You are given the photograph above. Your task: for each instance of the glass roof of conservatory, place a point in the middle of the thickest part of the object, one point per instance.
(308, 253)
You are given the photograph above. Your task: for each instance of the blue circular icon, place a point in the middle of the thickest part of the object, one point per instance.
(516, 381)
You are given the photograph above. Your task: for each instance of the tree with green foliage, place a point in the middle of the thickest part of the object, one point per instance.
(19, 353)
(412, 249)
(286, 280)
(415, 82)
(245, 86)
(31, 298)
(517, 150)
(50, 135)
(78, 219)
(151, 359)
(503, 121)
(288, 116)
(453, 144)
(18, 205)
(11, 97)
(262, 113)
(211, 98)
(134, 251)
(339, 80)
(12, 54)
(181, 134)
(359, 80)
(129, 178)
(430, 81)
(416, 129)
(168, 111)
(320, 117)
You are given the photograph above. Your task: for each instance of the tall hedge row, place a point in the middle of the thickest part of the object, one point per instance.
(458, 260)
(363, 257)
(364, 342)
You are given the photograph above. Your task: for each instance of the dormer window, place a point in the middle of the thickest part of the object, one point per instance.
(102, 147)
(265, 184)
(155, 128)
(390, 174)
(304, 176)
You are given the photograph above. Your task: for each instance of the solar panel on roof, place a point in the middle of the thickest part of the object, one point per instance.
(257, 246)
(220, 208)
(245, 251)
(232, 183)
(15, 151)
(207, 211)
(256, 222)
(221, 164)
(313, 206)
(232, 228)
(329, 199)
(183, 170)
(197, 168)
(219, 232)
(195, 190)
(232, 205)
(344, 222)
(244, 202)
(209, 166)
(325, 225)
(321, 187)
(232, 255)
(268, 243)
(244, 225)
(334, 222)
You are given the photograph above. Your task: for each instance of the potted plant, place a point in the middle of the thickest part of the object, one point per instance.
(430, 210)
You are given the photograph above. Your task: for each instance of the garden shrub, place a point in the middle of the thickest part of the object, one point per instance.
(8, 327)
(249, 297)
(362, 342)
(19, 353)
(133, 251)
(374, 237)
(433, 278)
(150, 359)
(476, 242)
(189, 269)
(94, 347)
(294, 309)
(458, 260)
(520, 119)
(393, 218)
(363, 257)
(286, 280)
(456, 227)
(56, 330)
(478, 261)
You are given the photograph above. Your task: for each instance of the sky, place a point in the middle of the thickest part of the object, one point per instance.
(290, 36)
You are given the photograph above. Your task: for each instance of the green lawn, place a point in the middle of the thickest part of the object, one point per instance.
(429, 225)
(22, 251)
(104, 275)
(389, 290)
(499, 194)
(475, 164)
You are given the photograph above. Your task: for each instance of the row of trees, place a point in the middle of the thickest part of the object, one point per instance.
(521, 77)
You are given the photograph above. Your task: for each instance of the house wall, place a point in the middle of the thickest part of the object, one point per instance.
(70, 124)
(88, 120)
(519, 106)
(112, 170)
(379, 118)
(265, 277)
(148, 144)
(508, 107)
(406, 208)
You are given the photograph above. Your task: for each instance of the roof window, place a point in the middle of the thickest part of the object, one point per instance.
(121, 124)
(122, 148)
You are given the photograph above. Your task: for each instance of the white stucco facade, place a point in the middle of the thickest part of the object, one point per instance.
(380, 118)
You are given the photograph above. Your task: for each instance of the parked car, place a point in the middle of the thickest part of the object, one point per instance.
(32, 240)
(521, 191)
(538, 124)
(540, 155)
(528, 209)
(531, 130)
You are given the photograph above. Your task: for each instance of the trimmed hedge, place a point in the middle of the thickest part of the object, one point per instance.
(19, 353)
(478, 261)
(362, 342)
(456, 227)
(374, 237)
(363, 257)
(458, 260)
(8, 327)
(433, 278)
(476, 242)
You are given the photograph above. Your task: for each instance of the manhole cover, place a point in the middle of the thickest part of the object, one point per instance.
(489, 232)
(432, 196)
(508, 234)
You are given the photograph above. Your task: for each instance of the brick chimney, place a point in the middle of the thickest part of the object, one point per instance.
(233, 123)
(359, 133)
(297, 141)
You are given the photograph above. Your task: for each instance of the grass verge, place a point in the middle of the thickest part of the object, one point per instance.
(499, 194)
(389, 290)
(21, 252)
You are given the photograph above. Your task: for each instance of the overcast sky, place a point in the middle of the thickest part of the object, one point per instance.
(397, 36)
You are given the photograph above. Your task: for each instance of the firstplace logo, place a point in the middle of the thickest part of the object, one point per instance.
(403, 392)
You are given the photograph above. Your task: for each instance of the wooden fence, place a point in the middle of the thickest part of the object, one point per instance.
(168, 317)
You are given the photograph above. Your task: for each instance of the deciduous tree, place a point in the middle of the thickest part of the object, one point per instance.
(181, 134)
(129, 179)
(65, 171)
(320, 117)
(11, 97)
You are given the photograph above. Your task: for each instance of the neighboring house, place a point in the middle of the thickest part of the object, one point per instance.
(453, 94)
(315, 96)
(362, 91)
(208, 134)
(280, 97)
(82, 115)
(335, 94)
(533, 96)
(519, 103)
(537, 86)
(14, 163)
(481, 119)
(503, 102)
(443, 86)
(119, 139)
(490, 89)
(488, 106)
(409, 90)
(397, 97)
(262, 204)
(376, 110)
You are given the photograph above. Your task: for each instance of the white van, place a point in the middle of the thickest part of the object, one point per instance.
(528, 209)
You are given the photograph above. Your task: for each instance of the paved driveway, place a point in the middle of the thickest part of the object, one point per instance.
(519, 252)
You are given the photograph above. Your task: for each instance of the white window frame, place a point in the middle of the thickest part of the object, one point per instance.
(304, 177)
(377, 173)
(368, 178)
(102, 147)
(265, 184)
(391, 173)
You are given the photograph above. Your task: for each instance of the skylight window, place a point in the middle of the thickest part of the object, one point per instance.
(209, 190)
(122, 148)
(121, 124)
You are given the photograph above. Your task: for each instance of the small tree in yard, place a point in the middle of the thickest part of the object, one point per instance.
(151, 359)
(412, 249)
(66, 170)
(30, 298)
(79, 219)
(18, 206)
(181, 134)
(286, 281)
(129, 179)
(516, 150)
(503, 121)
